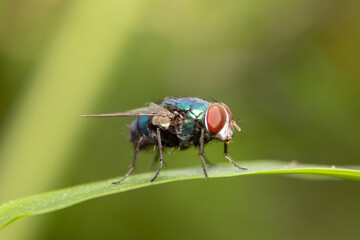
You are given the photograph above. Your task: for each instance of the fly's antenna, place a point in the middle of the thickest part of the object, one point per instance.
(233, 123)
(213, 99)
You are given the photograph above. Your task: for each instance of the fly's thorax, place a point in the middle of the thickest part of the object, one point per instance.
(219, 122)
(188, 108)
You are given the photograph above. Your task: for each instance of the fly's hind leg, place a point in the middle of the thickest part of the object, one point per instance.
(160, 153)
(230, 159)
(202, 156)
(137, 148)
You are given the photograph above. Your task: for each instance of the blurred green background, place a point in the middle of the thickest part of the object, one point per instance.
(289, 71)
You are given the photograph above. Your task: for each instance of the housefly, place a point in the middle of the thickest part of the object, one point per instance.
(180, 123)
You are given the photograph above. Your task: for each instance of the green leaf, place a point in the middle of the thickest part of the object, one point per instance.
(55, 200)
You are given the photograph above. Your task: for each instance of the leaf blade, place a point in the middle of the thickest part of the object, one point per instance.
(59, 199)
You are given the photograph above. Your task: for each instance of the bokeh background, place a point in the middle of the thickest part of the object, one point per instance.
(289, 70)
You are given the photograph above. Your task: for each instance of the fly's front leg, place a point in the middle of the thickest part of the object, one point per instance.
(201, 141)
(137, 148)
(161, 154)
(230, 159)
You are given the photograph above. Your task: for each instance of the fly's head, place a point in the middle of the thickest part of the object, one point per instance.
(219, 121)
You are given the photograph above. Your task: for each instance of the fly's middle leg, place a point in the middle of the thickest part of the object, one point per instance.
(160, 153)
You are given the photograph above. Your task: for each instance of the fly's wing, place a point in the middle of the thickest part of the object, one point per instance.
(152, 110)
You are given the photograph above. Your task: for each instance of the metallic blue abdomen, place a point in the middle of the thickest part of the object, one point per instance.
(139, 127)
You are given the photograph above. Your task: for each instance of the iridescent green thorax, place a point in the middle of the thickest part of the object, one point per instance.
(194, 110)
(186, 131)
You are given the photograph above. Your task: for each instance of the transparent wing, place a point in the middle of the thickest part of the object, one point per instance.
(151, 110)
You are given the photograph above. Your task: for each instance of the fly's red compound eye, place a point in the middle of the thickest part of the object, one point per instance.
(228, 110)
(216, 117)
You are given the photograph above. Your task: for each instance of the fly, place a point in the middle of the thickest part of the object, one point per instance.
(180, 123)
